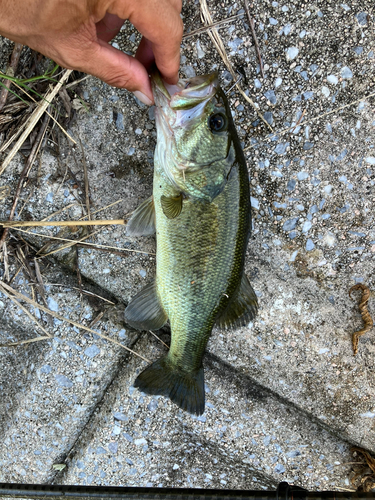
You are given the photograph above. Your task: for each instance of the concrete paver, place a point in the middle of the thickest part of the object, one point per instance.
(286, 397)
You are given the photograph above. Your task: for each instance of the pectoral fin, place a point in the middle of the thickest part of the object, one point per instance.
(142, 222)
(241, 309)
(171, 206)
(144, 311)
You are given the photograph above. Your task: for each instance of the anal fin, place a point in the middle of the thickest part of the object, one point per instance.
(142, 222)
(144, 311)
(242, 308)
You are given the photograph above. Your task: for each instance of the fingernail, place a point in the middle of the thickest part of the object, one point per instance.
(143, 98)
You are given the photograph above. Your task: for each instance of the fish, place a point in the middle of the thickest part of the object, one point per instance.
(201, 214)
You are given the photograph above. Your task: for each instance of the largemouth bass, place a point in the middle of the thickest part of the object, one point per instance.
(200, 211)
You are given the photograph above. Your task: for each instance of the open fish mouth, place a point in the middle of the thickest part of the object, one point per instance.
(187, 94)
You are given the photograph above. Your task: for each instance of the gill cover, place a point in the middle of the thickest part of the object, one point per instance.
(194, 141)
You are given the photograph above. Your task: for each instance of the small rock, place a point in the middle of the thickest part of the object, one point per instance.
(63, 381)
(346, 72)
(290, 224)
(309, 245)
(362, 18)
(332, 79)
(52, 304)
(291, 53)
(200, 52)
(254, 203)
(92, 351)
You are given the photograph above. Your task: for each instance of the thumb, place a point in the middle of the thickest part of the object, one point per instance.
(117, 69)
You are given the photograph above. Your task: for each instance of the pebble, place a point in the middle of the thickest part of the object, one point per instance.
(254, 203)
(346, 72)
(279, 469)
(290, 224)
(120, 121)
(278, 82)
(271, 96)
(63, 381)
(332, 79)
(280, 149)
(52, 304)
(301, 176)
(113, 447)
(306, 226)
(92, 351)
(189, 71)
(309, 245)
(362, 18)
(200, 52)
(291, 53)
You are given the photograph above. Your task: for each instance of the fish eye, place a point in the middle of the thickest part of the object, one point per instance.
(217, 122)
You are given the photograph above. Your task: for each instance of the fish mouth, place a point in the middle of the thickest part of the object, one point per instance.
(187, 94)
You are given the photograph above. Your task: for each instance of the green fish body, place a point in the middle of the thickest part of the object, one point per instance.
(200, 210)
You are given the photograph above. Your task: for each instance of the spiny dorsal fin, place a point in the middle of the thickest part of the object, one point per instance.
(241, 309)
(142, 222)
(144, 311)
(171, 206)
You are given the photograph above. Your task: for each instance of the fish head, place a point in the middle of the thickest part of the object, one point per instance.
(195, 132)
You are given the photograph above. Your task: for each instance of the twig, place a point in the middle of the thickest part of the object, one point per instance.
(6, 263)
(4, 192)
(86, 292)
(62, 318)
(218, 42)
(26, 311)
(87, 188)
(34, 118)
(67, 245)
(311, 120)
(30, 160)
(364, 313)
(53, 118)
(76, 82)
(255, 38)
(31, 223)
(159, 339)
(299, 121)
(74, 242)
(208, 26)
(11, 71)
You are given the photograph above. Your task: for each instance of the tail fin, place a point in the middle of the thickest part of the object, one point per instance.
(185, 389)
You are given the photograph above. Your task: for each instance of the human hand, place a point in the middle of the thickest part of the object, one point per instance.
(75, 34)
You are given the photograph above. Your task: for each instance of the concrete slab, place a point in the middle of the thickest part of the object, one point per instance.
(290, 397)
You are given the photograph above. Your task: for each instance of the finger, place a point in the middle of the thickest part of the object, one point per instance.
(108, 27)
(159, 21)
(113, 67)
(145, 54)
